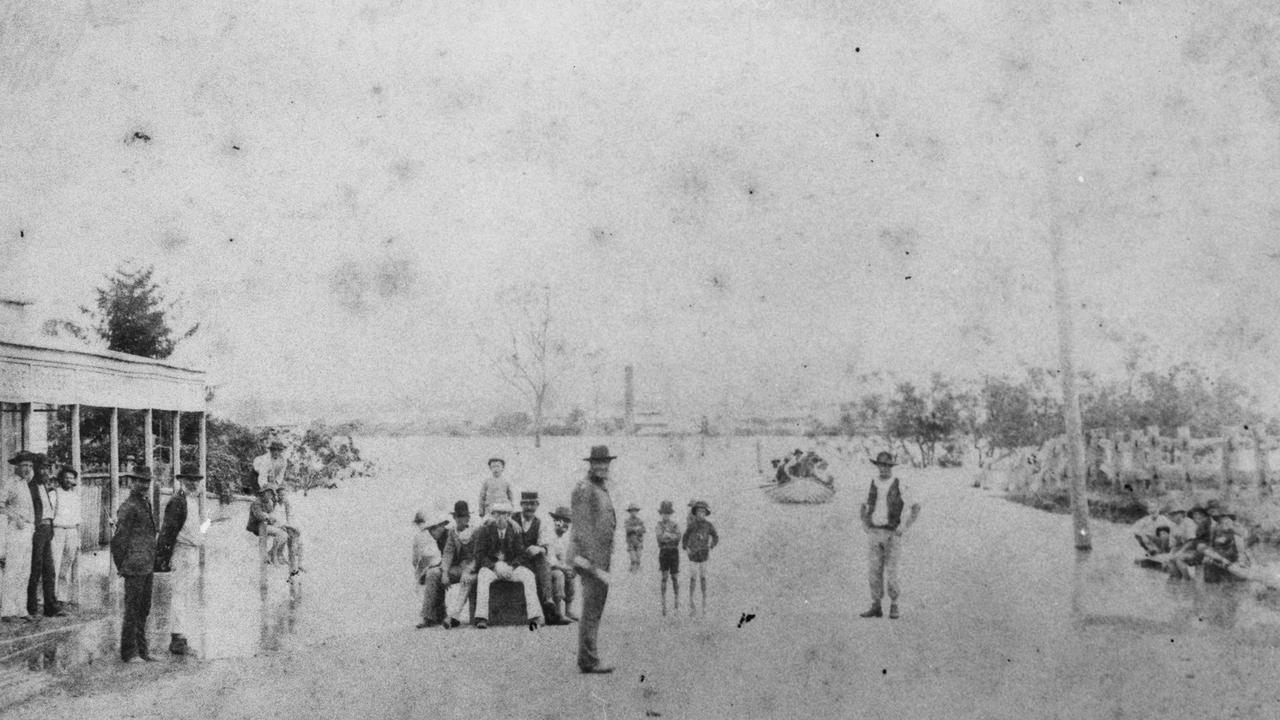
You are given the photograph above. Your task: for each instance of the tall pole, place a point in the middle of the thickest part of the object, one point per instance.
(1066, 362)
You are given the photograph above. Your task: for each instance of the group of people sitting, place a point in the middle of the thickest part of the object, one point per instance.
(506, 545)
(1179, 540)
(800, 464)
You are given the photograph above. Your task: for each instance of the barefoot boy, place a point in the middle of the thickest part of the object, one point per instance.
(635, 535)
(699, 538)
(668, 534)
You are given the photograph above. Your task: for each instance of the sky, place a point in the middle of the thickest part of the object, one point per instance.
(751, 203)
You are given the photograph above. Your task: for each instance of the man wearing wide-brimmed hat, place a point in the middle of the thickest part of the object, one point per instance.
(18, 530)
(562, 572)
(591, 546)
(427, 564)
(133, 551)
(887, 497)
(272, 466)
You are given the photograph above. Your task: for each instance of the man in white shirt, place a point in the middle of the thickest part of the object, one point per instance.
(1144, 530)
(66, 536)
(186, 561)
(882, 517)
(271, 466)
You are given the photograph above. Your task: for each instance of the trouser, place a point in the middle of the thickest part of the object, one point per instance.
(522, 575)
(137, 606)
(466, 583)
(594, 594)
(17, 568)
(66, 563)
(633, 553)
(562, 585)
(882, 558)
(182, 582)
(433, 591)
(541, 570)
(42, 580)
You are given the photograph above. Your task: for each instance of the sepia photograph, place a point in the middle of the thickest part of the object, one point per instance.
(701, 359)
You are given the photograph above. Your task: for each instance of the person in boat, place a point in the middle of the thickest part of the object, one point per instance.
(1225, 549)
(794, 465)
(1144, 530)
(780, 472)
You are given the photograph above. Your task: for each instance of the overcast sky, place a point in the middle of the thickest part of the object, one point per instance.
(747, 201)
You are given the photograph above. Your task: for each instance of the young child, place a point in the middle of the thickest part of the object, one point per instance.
(699, 538)
(668, 534)
(635, 535)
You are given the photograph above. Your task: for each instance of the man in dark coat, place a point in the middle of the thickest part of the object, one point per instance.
(133, 550)
(499, 552)
(594, 525)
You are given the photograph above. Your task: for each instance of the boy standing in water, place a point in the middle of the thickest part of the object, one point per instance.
(634, 527)
(668, 534)
(699, 538)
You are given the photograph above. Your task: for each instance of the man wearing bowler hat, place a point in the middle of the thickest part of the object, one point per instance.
(594, 525)
(133, 550)
(882, 517)
(536, 537)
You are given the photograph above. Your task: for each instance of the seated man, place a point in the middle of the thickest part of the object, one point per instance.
(499, 551)
(1144, 530)
(427, 560)
(460, 560)
(1225, 552)
(266, 524)
(562, 572)
(535, 539)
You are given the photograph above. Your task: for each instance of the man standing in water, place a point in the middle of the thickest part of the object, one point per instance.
(594, 524)
(133, 550)
(882, 517)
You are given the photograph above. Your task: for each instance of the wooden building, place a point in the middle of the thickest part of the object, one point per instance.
(40, 378)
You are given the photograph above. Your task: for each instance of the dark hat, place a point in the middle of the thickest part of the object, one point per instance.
(884, 458)
(68, 469)
(461, 509)
(599, 452)
(633, 506)
(528, 496)
(493, 460)
(699, 504)
(267, 489)
(140, 472)
(25, 456)
(797, 452)
(666, 507)
(562, 513)
(276, 444)
(1197, 509)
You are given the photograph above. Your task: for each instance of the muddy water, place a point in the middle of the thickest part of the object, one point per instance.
(1008, 569)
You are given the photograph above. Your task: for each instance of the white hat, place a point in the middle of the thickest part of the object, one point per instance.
(440, 518)
(501, 507)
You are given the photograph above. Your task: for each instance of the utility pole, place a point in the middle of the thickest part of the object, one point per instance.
(1066, 358)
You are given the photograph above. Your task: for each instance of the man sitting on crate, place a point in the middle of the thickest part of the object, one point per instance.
(499, 552)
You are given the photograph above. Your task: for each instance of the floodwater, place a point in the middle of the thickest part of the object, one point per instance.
(1009, 571)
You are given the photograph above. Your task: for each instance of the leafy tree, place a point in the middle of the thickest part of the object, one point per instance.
(131, 314)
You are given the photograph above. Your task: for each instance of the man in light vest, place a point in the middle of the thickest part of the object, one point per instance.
(882, 517)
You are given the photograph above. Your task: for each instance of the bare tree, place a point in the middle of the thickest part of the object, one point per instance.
(532, 355)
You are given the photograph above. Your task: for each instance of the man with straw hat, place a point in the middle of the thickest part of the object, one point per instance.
(16, 512)
(594, 525)
(882, 517)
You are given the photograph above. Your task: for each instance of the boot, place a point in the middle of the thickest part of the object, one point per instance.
(874, 612)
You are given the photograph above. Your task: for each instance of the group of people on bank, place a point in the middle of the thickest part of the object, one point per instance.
(548, 562)
(1182, 540)
(39, 539)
